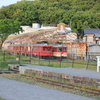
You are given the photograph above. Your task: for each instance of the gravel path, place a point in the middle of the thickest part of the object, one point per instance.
(15, 90)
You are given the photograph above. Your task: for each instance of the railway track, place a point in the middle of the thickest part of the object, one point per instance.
(94, 92)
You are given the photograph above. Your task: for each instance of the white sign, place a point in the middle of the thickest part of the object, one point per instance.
(98, 63)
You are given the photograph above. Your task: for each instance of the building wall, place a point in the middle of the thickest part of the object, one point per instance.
(89, 38)
(76, 50)
(93, 51)
(94, 48)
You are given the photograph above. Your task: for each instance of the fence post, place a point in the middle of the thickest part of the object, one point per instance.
(4, 56)
(88, 62)
(73, 61)
(39, 58)
(49, 62)
(68, 62)
(30, 56)
(61, 60)
(19, 54)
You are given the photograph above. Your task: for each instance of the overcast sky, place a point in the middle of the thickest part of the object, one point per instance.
(7, 2)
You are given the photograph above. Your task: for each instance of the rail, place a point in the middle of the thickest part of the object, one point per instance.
(68, 86)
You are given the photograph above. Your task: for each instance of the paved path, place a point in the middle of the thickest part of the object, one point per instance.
(15, 90)
(69, 70)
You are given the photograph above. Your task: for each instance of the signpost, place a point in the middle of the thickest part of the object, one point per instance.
(98, 63)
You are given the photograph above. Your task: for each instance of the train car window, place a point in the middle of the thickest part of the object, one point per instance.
(46, 48)
(35, 48)
(32, 48)
(54, 49)
(65, 49)
(59, 49)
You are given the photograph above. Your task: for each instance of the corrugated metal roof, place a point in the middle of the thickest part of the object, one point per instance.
(97, 34)
(91, 31)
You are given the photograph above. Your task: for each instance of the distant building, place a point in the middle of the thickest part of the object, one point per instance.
(28, 29)
(91, 36)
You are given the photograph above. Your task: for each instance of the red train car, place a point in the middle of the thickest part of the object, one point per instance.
(60, 50)
(42, 49)
(36, 49)
(13, 49)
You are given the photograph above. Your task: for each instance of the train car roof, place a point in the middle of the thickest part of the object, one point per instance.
(59, 45)
(45, 44)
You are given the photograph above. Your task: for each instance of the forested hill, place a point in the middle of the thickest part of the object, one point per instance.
(82, 13)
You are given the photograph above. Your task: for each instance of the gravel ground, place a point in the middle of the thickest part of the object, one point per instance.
(15, 90)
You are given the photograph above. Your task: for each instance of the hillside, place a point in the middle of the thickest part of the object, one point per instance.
(79, 14)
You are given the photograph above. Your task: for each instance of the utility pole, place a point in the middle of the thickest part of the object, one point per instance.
(70, 24)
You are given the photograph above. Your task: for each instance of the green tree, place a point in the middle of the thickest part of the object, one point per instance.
(82, 13)
(7, 27)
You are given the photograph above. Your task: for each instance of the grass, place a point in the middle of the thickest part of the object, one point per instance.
(2, 99)
(6, 59)
(83, 64)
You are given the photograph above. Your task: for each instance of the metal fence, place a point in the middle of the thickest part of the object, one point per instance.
(6, 58)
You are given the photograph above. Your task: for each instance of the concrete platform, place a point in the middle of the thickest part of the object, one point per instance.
(68, 71)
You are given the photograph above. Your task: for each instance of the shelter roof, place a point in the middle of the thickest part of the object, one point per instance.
(91, 31)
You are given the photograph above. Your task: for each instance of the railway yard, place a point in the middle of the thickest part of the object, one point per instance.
(15, 90)
(48, 83)
(50, 62)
